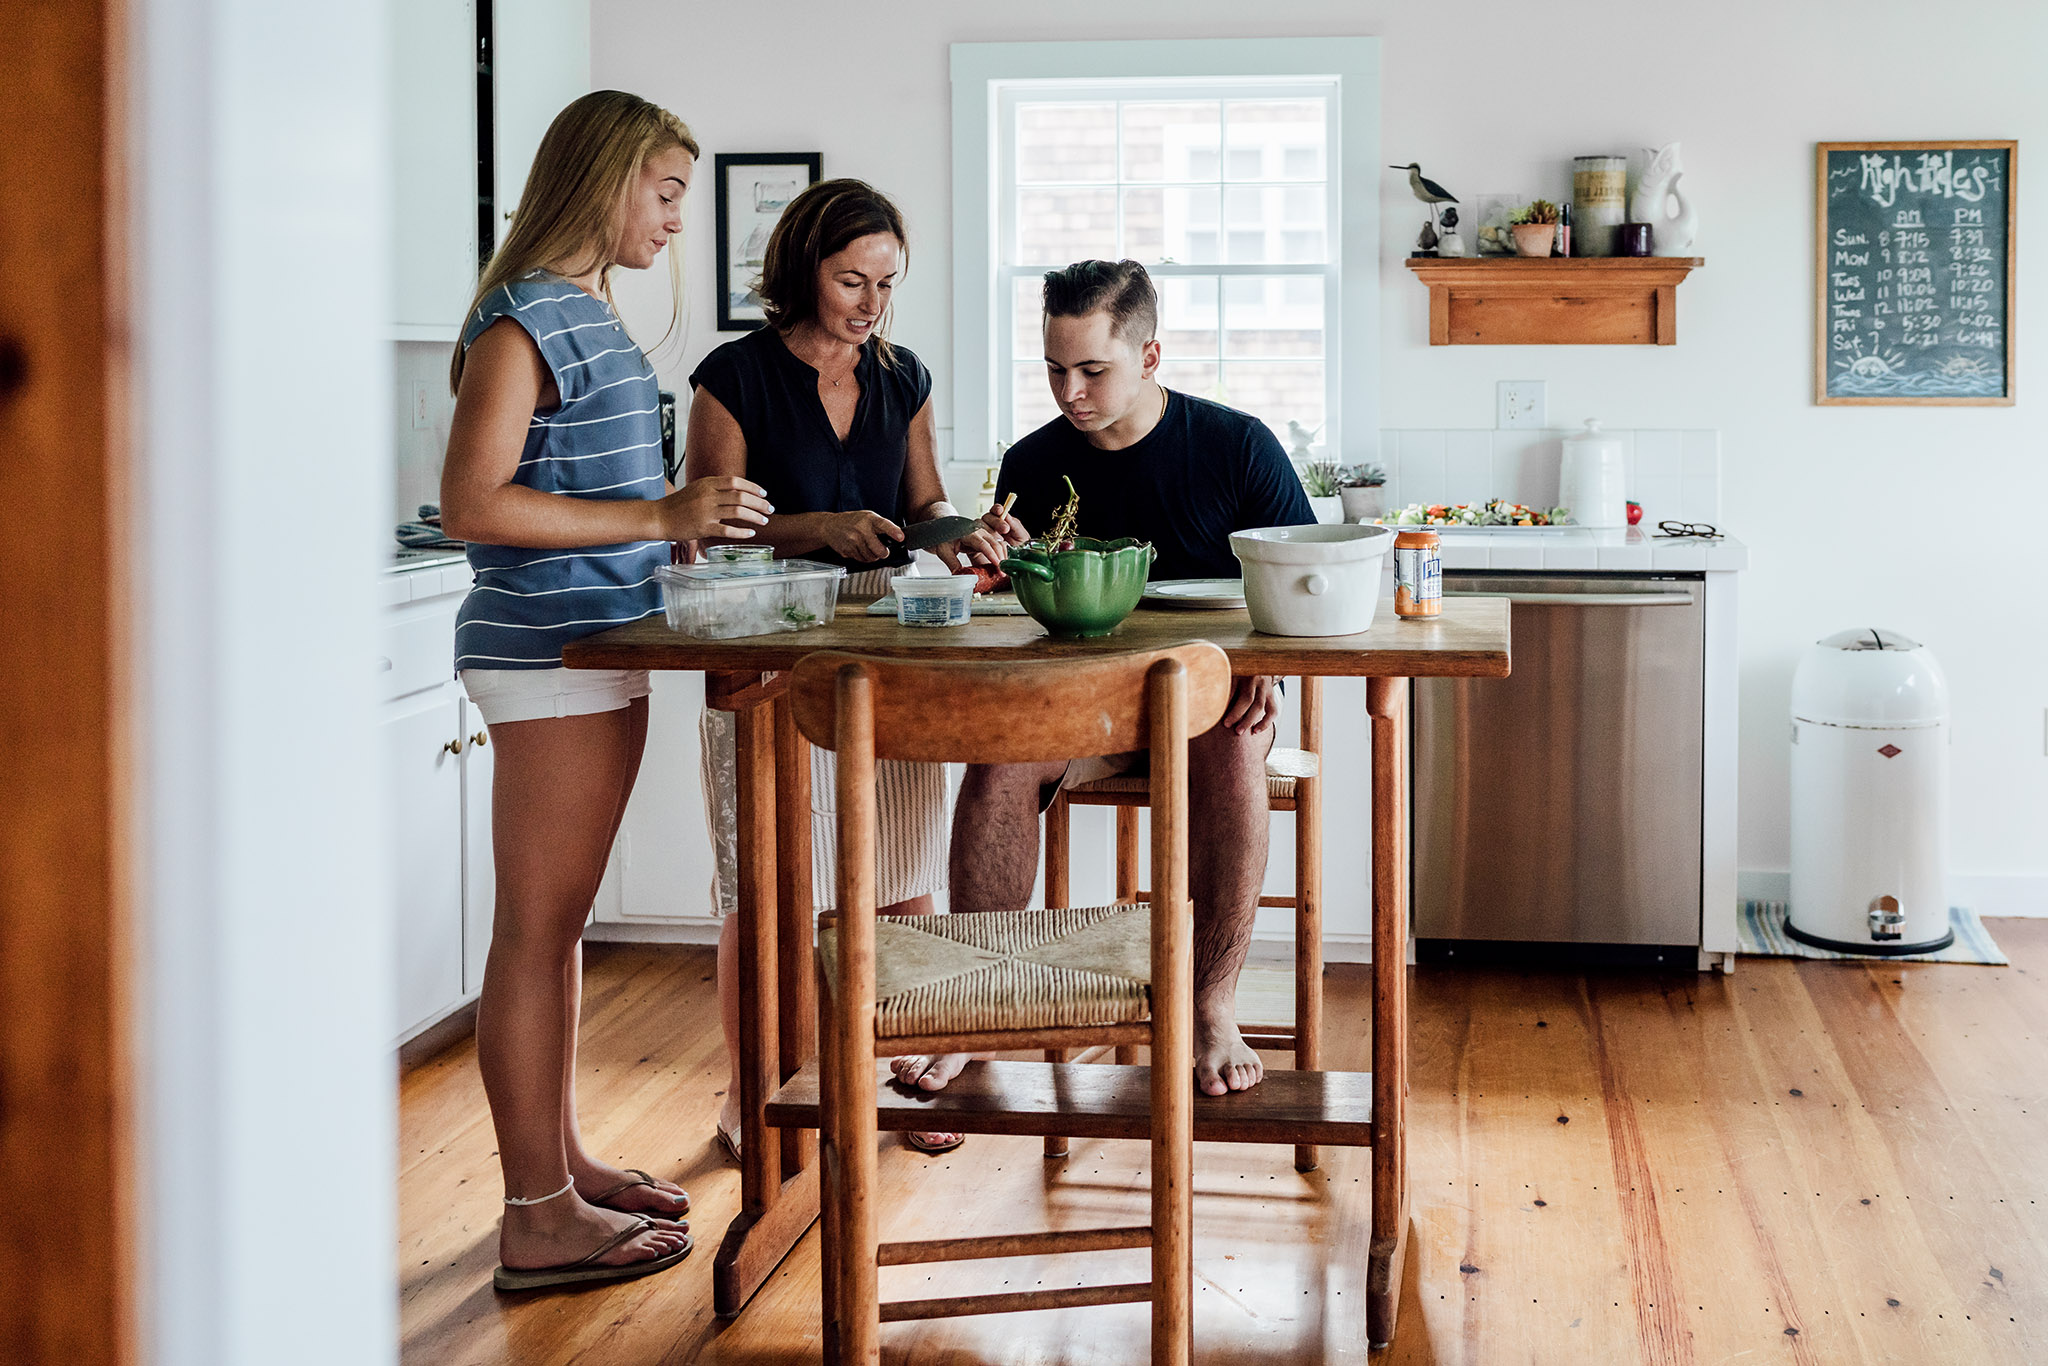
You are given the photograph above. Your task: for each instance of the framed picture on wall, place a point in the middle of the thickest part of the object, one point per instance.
(753, 190)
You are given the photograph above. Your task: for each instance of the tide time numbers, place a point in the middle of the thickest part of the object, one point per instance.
(1903, 294)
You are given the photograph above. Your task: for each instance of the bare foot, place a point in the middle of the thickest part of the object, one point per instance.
(664, 1199)
(529, 1240)
(1223, 1061)
(930, 1071)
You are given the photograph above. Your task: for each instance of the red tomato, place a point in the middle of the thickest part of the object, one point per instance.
(1635, 513)
(986, 579)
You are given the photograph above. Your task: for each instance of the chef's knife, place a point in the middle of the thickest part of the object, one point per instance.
(938, 531)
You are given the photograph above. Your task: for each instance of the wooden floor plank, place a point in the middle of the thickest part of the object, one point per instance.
(1924, 1090)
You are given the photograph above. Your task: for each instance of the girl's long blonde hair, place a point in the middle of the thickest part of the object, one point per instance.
(568, 215)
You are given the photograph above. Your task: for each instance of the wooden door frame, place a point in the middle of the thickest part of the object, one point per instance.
(68, 1243)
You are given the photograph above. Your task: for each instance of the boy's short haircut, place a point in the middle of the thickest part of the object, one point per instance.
(1121, 289)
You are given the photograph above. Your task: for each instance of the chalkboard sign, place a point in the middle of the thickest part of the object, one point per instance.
(1914, 272)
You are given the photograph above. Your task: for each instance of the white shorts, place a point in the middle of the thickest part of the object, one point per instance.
(506, 695)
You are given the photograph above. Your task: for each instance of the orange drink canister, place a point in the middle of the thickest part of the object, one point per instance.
(1418, 574)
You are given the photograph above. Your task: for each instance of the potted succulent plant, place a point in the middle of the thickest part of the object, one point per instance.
(1535, 228)
(1321, 480)
(1363, 491)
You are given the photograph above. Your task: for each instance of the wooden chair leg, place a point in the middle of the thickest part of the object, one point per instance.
(1173, 1025)
(1308, 942)
(1058, 853)
(830, 1192)
(1058, 869)
(1126, 853)
(1127, 890)
(851, 1046)
(1056, 1144)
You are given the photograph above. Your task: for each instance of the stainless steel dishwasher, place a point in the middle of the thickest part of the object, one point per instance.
(1557, 811)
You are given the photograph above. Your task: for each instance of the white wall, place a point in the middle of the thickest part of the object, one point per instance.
(1856, 516)
(260, 263)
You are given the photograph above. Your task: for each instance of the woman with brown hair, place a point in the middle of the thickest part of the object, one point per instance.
(554, 478)
(835, 423)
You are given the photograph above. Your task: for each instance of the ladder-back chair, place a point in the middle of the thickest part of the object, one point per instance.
(1293, 783)
(1029, 979)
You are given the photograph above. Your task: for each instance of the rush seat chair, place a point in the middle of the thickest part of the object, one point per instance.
(1031, 979)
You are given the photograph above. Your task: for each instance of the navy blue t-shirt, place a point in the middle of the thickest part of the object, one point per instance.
(1202, 473)
(792, 451)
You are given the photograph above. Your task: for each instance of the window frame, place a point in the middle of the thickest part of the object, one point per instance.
(986, 79)
(1010, 93)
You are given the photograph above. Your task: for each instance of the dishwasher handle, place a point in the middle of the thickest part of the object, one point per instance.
(1584, 599)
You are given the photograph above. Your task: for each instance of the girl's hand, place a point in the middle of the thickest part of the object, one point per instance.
(720, 505)
(862, 537)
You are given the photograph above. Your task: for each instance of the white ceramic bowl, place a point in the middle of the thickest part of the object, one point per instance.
(1312, 580)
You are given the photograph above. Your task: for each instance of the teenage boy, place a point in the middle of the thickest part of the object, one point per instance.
(1182, 473)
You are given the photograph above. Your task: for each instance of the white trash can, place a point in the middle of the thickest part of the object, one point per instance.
(1870, 797)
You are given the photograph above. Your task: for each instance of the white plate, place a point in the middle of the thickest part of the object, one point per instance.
(1204, 594)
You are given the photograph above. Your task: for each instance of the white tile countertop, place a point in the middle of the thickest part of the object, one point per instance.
(1627, 549)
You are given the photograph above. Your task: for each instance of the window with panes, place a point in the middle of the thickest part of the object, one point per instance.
(1224, 192)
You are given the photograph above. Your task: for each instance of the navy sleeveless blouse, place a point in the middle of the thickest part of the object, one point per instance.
(792, 451)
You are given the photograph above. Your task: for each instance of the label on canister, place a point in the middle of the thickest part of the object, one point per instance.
(1418, 575)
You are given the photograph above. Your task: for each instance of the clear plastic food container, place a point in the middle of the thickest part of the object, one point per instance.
(720, 601)
(934, 600)
(740, 554)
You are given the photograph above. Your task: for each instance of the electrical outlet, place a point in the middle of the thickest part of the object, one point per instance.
(1520, 403)
(421, 414)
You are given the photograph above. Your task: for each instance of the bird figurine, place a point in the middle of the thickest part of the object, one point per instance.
(1432, 194)
(1300, 438)
(1448, 242)
(1426, 190)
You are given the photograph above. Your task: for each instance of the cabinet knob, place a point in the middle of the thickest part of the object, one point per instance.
(482, 737)
(453, 746)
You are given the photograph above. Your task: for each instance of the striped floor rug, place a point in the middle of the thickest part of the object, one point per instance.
(1761, 930)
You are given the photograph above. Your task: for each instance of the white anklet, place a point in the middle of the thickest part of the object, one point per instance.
(543, 1199)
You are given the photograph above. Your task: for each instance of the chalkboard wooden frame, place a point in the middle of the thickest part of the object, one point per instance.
(1820, 273)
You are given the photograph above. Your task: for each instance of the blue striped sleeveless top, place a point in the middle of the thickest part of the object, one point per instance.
(603, 442)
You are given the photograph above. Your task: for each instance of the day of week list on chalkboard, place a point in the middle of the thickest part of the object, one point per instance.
(1915, 271)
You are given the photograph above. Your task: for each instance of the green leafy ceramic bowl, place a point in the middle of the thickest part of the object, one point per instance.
(1082, 592)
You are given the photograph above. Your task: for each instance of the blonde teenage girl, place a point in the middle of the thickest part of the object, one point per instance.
(554, 478)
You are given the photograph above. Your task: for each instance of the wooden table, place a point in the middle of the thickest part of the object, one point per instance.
(779, 1175)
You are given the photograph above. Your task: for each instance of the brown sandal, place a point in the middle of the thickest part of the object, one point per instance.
(923, 1143)
(603, 1200)
(586, 1271)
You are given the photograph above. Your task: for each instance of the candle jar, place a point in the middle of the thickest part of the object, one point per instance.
(1599, 203)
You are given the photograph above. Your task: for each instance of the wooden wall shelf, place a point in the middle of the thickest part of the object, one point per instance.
(1571, 301)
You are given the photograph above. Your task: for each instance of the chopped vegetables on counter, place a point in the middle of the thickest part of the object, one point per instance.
(1496, 512)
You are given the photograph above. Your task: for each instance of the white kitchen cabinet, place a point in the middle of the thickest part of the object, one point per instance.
(426, 810)
(440, 798)
(433, 134)
(479, 876)
(540, 61)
